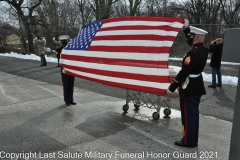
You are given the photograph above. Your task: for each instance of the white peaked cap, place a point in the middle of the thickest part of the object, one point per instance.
(63, 37)
(195, 30)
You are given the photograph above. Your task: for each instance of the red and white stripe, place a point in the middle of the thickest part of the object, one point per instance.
(127, 52)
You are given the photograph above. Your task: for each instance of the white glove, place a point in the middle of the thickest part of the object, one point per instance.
(186, 22)
(53, 38)
(63, 71)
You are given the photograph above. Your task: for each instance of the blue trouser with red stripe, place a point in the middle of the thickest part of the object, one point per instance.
(190, 119)
(68, 84)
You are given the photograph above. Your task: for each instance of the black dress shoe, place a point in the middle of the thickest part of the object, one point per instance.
(219, 85)
(211, 86)
(67, 104)
(73, 103)
(179, 143)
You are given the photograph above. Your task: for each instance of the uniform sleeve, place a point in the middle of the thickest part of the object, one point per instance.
(58, 50)
(215, 48)
(186, 32)
(37, 40)
(55, 42)
(188, 65)
(211, 48)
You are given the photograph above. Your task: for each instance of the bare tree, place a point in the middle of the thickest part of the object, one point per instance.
(60, 17)
(86, 13)
(24, 11)
(230, 10)
(50, 12)
(158, 8)
(194, 10)
(102, 8)
(134, 6)
(120, 9)
(57, 17)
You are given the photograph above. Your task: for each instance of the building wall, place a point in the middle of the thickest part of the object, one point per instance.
(13, 39)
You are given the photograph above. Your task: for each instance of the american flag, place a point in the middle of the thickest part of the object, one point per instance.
(125, 52)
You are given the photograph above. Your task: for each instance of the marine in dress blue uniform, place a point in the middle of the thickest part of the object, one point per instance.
(68, 87)
(67, 80)
(191, 86)
(61, 39)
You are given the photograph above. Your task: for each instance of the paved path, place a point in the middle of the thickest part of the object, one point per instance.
(34, 122)
(218, 102)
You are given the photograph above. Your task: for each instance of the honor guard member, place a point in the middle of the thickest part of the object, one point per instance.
(62, 39)
(191, 86)
(67, 80)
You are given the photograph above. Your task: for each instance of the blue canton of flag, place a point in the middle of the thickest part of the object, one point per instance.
(85, 37)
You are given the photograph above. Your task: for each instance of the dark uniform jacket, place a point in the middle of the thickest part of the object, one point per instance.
(59, 50)
(216, 56)
(193, 63)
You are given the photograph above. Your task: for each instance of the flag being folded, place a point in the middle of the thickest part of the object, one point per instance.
(125, 52)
